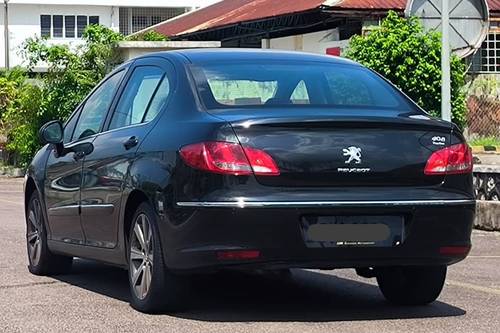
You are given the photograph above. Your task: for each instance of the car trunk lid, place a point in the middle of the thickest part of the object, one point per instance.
(349, 150)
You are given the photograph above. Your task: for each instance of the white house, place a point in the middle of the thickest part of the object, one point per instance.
(63, 21)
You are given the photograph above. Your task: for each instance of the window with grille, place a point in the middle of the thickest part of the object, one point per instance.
(57, 22)
(45, 25)
(67, 26)
(69, 23)
(81, 24)
(135, 19)
(93, 19)
(487, 58)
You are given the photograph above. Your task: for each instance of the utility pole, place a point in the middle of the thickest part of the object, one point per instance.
(445, 62)
(6, 33)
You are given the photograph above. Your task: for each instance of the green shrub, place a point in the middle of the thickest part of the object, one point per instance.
(409, 57)
(20, 117)
(26, 105)
(149, 36)
(485, 141)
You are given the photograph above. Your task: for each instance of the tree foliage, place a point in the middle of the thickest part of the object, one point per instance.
(409, 57)
(19, 107)
(72, 72)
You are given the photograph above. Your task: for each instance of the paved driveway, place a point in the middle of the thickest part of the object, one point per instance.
(94, 297)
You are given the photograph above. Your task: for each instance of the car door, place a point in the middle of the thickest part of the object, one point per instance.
(64, 173)
(143, 96)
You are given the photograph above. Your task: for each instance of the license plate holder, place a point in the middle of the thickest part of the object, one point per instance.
(352, 231)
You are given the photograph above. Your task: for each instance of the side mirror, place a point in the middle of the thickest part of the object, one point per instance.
(52, 132)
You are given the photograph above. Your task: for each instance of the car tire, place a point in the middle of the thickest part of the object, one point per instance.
(40, 260)
(413, 285)
(153, 287)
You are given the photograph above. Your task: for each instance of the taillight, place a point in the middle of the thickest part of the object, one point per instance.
(454, 250)
(229, 158)
(238, 255)
(454, 159)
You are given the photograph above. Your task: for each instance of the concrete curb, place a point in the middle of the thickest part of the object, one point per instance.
(487, 215)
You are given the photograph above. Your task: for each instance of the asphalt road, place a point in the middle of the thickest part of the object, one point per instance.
(94, 297)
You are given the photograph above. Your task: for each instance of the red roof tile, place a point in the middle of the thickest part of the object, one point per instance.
(229, 12)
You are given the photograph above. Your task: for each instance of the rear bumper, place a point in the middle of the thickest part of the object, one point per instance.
(274, 229)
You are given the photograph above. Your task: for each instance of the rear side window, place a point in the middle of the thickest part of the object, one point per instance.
(292, 83)
(300, 94)
(96, 107)
(136, 99)
(159, 99)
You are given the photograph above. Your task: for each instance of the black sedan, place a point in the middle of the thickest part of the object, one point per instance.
(196, 161)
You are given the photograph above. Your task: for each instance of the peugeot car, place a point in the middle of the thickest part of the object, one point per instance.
(188, 162)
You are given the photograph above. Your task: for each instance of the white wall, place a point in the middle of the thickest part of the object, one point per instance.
(24, 18)
(24, 22)
(315, 42)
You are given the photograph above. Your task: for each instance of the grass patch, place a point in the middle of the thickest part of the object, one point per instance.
(485, 141)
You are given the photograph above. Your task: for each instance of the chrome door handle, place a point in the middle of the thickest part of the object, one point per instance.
(78, 155)
(130, 143)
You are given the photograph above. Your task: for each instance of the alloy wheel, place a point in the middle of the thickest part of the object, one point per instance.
(33, 235)
(141, 256)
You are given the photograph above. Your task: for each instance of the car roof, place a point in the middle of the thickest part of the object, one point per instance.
(230, 54)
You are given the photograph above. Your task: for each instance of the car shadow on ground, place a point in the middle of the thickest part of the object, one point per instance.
(308, 296)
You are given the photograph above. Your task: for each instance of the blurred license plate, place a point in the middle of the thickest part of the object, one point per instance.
(352, 231)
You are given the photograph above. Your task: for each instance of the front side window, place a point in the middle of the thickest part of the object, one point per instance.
(289, 83)
(69, 127)
(96, 107)
(137, 96)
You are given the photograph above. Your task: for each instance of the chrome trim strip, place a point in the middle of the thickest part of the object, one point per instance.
(98, 206)
(295, 204)
(98, 209)
(63, 210)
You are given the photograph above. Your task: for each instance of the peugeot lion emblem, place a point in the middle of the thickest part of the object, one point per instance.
(353, 154)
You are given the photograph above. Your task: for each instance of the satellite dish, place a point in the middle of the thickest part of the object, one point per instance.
(468, 21)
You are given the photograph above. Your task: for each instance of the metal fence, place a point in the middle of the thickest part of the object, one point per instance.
(483, 104)
(487, 183)
(483, 118)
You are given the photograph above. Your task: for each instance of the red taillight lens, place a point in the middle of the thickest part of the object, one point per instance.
(454, 250)
(261, 163)
(450, 160)
(228, 158)
(238, 255)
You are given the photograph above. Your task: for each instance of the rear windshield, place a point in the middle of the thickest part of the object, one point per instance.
(223, 86)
